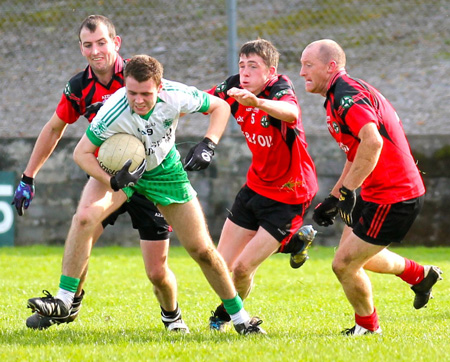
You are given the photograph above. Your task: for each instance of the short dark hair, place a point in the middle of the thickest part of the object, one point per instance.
(144, 67)
(92, 21)
(264, 48)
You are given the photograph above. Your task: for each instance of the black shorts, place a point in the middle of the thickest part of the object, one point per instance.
(251, 211)
(145, 217)
(381, 224)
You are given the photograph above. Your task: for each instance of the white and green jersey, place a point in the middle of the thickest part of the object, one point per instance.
(157, 128)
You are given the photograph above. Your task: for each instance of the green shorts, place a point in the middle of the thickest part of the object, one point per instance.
(166, 184)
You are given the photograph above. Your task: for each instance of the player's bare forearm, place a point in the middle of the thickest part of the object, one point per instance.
(285, 111)
(219, 113)
(45, 144)
(335, 191)
(366, 157)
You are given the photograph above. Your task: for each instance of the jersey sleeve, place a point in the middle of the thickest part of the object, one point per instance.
(283, 90)
(67, 110)
(93, 138)
(187, 99)
(195, 101)
(105, 124)
(356, 108)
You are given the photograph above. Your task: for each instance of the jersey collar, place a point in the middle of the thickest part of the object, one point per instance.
(271, 81)
(336, 76)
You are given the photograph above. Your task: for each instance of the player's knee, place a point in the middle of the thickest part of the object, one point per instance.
(338, 266)
(157, 277)
(85, 218)
(241, 271)
(203, 255)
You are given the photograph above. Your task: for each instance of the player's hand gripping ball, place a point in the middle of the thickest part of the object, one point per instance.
(118, 149)
(125, 178)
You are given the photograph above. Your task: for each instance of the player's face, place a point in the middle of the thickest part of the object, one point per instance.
(142, 96)
(254, 73)
(314, 71)
(99, 49)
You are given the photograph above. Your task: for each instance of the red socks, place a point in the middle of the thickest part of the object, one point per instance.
(369, 322)
(413, 273)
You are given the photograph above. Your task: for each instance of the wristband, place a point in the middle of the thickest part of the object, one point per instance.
(209, 143)
(28, 180)
(113, 183)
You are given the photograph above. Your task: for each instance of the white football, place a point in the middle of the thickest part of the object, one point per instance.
(117, 150)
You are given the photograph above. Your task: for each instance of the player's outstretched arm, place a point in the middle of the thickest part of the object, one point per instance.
(279, 109)
(49, 137)
(285, 111)
(45, 144)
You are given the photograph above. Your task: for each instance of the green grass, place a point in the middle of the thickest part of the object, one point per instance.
(303, 311)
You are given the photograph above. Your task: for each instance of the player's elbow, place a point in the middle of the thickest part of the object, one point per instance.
(290, 113)
(376, 142)
(76, 155)
(79, 156)
(371, 137)
(291, 118)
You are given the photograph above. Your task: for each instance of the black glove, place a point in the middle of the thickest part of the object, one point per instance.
(125, 178)
(24, 194)
(325, 213)
(92, 109)
(346, 204)
(200, 156)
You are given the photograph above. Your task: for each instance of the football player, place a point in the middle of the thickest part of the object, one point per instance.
(267, 214)
(84, 94)
(380, 165)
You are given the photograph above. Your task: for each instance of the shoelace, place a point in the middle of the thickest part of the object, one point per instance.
(253, 327)
(47, 294)
(349, 330)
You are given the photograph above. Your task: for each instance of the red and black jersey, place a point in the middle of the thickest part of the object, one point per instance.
(281, 167)
(351, 104)
(84, 90)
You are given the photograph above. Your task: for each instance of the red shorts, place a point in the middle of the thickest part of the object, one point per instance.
(384, 224)
(251, 211)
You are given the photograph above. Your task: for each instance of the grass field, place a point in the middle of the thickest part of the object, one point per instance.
(303, 311)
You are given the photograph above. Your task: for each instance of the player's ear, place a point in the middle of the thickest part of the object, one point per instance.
(117, 42)
(332, 66)
(272, 71)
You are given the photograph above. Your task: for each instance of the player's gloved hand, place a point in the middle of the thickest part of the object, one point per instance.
(24, 194)
(325, 213)
(125, 178)
(200, 156)
(346, 204)
(92, 109)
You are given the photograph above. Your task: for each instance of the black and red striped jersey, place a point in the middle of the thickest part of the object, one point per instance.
(352, 103)
(84, 90)
(281, 167)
